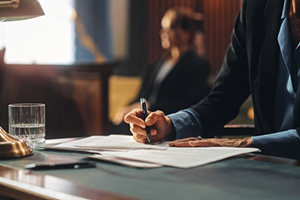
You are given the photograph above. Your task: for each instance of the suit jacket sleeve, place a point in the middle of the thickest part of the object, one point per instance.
(231, 87)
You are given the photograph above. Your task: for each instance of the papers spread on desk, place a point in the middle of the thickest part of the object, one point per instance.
(118, 142)
(123, 149)
(107, 146)
(107, 143)
(183, 157)
(111, 157)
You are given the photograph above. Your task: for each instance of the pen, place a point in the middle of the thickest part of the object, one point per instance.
(144, 107)
(73, 165)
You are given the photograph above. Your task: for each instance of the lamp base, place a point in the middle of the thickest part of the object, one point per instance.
(11, 147)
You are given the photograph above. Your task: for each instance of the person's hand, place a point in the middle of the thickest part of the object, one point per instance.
(119, 116)
(159, 124)
(211, 142)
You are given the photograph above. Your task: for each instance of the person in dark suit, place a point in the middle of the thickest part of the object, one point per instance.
(263, 60)
(179, 78)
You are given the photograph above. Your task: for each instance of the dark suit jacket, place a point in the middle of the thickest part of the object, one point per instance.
(250, 67)
(184, 86)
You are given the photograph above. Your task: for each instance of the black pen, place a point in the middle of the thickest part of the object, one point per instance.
(72, 165)
(144, 107)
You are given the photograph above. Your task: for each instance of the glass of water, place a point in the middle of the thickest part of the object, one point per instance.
(27, 122)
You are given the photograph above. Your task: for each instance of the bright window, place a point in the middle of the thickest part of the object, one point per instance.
(44, 40)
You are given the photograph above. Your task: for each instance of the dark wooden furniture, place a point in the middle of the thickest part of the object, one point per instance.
(76, 96)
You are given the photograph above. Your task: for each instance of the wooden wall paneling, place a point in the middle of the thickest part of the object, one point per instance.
(219, 20)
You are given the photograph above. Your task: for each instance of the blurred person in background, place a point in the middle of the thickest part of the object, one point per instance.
(179, 78)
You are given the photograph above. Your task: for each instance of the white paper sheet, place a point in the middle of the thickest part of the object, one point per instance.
(115, 142)
(71, 145)
(185, 157)
(127, 162)
(112, 143)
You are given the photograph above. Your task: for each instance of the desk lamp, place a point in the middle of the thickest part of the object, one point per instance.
(13, 10)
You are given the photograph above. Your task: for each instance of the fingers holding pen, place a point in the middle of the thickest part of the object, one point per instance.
(138, 125)
(151, 119)
(160, 125)
(134, 117)
(141, 130)
(140, 138)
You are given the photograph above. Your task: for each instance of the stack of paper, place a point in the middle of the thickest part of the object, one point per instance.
(123, 149)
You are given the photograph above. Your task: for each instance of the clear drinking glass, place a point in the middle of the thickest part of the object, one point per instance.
(27, 122)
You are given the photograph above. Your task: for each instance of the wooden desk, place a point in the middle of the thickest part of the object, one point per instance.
(243, 177)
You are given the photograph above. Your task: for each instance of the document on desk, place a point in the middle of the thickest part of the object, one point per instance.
(117, 142)
(107, 143)
(182, 157)
(71, 145)
(123, 149)
(111, 157)
(106, 147)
